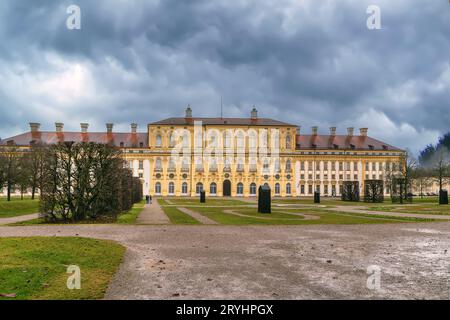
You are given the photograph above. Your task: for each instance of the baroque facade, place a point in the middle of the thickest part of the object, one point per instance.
(234, 156)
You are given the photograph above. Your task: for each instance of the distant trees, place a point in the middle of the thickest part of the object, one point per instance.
(436, 160)
(9, 165)
(86, 180)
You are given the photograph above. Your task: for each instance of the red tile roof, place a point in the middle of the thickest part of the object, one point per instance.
(223, 121)
(129, 140)
(342, 142)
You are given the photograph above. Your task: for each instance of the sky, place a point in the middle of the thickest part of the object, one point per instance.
(306, 62)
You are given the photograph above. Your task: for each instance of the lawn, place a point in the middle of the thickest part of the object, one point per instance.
(419, 208)
(17, 207)
(35, 268)
(284, 216)
(128, 217)
(178, 217)
(196, 201)
(131, 216)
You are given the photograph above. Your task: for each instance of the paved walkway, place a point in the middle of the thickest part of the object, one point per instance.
(26, 217)
(197, 216)
(152, 214)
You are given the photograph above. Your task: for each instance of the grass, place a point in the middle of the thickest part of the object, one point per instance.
(420, 208)
(17, 207)
(131, 216)
(178, 217)
(280, 217)
(128, 217)
(196, 201)
(35, 268)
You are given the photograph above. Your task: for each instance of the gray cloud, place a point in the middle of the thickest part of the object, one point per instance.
(306, 62)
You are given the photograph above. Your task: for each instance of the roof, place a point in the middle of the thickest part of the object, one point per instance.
(223, 121)
(129, 140)
(342, 142)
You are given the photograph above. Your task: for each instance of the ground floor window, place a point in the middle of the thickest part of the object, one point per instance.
(310, 189)
(158, 188)
(302, 189)
(199, 188)
(213, 188)
(240, 189)
(288, 188)
(171, 188)
(277, 189)
(184, 188)
(253, 189)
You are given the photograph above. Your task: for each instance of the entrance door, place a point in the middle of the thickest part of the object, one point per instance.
(227, 188)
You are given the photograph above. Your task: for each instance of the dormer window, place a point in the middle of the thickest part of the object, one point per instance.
(352, 146)
(371, 147)
(121, 144)
(335, 146)
(385, 147)
(141, 144)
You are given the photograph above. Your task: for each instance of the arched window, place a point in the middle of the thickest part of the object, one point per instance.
(213, 188)
(288, 165)
(186, 139)
(277, 188)
(199, 188)
(158, 141)
(288, 188)
(253, 189)
(172, 164)
(288, 142)
(240, 189)
(184, 188)
(240, 140)
(171, 188)
(173, 140)
(158, 188)
(277, 165)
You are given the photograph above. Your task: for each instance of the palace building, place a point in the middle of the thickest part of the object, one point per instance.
(234, 156)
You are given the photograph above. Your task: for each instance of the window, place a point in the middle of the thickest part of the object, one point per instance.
(367, 166)
(253, 189)
(373, 166)
(288, 188)
(130, 164)
(213, 188)
(288, 165)
(288, 142)
(318, 166)
(158, 141)
(158, 164)
(141, 175)
(302, 165)
(171, 188)
(172, 141)
(325, 166)
(302, 189)
(277, 188)
(184, 188)
(158, 188)
(141, 165)
(325, 189)
(240, 189)
(355, 166)
(341, 166)
(199, 188)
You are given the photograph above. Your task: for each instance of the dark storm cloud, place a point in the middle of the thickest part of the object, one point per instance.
(306, 62)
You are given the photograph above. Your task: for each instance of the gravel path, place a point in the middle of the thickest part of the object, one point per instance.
(272, 262)
(152, 214)
(26, 217)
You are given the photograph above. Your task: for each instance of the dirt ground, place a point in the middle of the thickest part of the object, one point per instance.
(272, 262)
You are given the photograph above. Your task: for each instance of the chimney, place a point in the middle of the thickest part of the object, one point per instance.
(34, 126)
(298, 130)
(188, 112)
(363, 132)
(35, 133)
(134, 127)
(332, 131)
(314, 130)
(109, 127)
(350, 131)
(84, 127)
(254, 113)
(59, 127)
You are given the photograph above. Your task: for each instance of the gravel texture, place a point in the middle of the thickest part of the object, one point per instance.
(272, 262)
